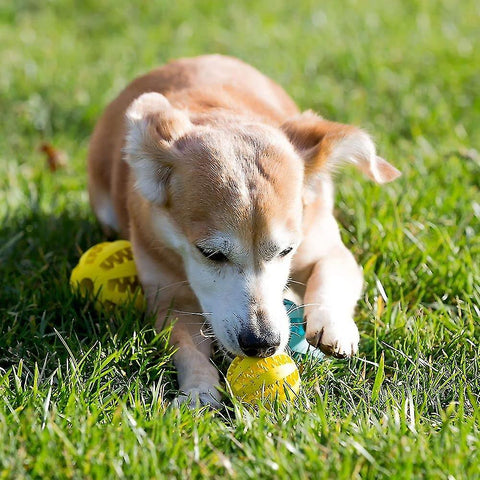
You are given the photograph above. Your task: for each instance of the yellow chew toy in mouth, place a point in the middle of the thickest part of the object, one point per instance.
(108, 272)
(254, 380)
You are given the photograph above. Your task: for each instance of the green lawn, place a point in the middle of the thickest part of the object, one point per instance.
(86, 396)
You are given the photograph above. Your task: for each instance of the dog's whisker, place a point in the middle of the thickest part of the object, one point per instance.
(295, 334)
(200, 342)
(223, 351)
(204, 336)
(156, 292)
(312, 305)
(191, 323)
(171, 285)
(298, 307)
(206, 331)
(296, 282)
(183, 312)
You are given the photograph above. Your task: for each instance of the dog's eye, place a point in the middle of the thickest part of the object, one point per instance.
(285, 252)
(213, 255)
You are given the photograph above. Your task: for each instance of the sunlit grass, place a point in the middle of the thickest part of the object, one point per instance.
(84, 395)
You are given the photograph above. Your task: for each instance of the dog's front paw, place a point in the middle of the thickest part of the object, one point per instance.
(199, 396)
(336, 337)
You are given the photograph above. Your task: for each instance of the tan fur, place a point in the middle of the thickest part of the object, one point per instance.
(225, 149)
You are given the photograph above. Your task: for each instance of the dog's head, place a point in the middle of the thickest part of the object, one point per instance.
(229, 198)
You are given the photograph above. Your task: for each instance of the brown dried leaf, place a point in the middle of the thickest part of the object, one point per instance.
(55, 158)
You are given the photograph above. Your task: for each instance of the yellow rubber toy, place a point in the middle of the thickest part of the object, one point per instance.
(108, 272)
(255, 380)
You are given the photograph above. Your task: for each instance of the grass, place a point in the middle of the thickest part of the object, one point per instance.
(84, 395)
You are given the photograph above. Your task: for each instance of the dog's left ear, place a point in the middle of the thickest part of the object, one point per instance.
(325, 145)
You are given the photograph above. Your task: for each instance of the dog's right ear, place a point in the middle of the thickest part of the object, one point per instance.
(153, 125)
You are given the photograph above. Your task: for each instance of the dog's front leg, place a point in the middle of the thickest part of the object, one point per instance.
(198, 378)
(332, 291)
(172, 301)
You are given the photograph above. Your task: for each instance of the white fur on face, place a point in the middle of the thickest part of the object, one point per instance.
(227, 291)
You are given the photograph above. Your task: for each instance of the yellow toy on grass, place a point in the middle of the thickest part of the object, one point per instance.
(256, 380)
(108, 271)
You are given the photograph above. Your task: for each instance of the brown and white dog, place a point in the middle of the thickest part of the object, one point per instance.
(224, 189)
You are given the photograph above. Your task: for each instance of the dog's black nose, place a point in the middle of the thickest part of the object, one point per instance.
(254, 345)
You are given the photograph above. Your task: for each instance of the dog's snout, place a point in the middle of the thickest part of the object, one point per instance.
(254, 345)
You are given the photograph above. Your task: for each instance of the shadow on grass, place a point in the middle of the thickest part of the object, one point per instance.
(41, 322)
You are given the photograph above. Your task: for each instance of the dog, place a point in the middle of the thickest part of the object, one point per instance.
(225, 190)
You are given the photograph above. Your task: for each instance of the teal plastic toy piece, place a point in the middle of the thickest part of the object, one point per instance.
(298, 342)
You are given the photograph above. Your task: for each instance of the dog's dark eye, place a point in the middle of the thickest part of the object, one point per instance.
(285, 252)
(213, 255)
